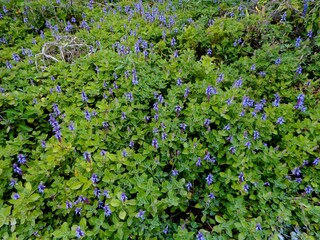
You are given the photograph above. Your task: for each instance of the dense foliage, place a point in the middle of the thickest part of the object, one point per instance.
(159, 119)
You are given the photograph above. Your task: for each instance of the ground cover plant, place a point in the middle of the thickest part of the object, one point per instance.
(159, 119)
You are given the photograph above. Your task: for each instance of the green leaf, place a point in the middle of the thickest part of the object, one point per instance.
(59, 234)
(83, 223)
(4, 212)
(219, 219)
(242, 236)
(76, 185)
(198, 205)
(28, 186)
(25, 127)
(115, 202)
(122, 214)
(34, 197)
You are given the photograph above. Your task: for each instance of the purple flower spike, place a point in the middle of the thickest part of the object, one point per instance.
(200, 236)
(21, 159)
(84, 96)
(68, 204)
(94, 178)
(87, 156)
(155, 143)
(258, 227)
(79, 233)
(189, 186)
(209, 179)
(16, 196)
(107, 211)
(78, 211)
(123, 197)
(241, 177)
(280, 121)
(41, 188)
(175, 172)
(141, 214)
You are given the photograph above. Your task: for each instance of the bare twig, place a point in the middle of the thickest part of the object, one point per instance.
(67, 47)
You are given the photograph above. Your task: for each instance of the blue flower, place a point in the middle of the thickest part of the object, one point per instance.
(210, 91)
(258, 227)
(220, 78)
(164, 136)
(123, 197)
(241, 177)
(16, 196)
(305, 7)
(175, 172)
(296, 171)
(207, 122)
(155, 143)
(227, 127)
(8, 64)
(173, 42)
(16, 57)
(94, 178)
(166, 230)
(97, 192)
(186, 92)
(247, 102)
(78, 211)
(298, 42)
(16, 169)
(267, 184)
(262, 73)
(280, 121)
(238, 83)
(183, 126)
(12, 182)
(198, 163)
(87, 156)
(209, 179)
(299, 70)
(189, 186)
(79, 232)
(84, 96)
(232, 149)
(68, 204)
(107, 211)
(71, 126)
(179, 82)
(278, 61)
(176, 54)
(21, 159)
(264, 117)
(103, 153)
(246, 188)
(200, 236)
(256, 135)
(87, 115)
(41, 188)
(178, 109)
(283, 17)
(211, 196)
(58, 89)
(308, 189)
(134, 77)
(141, 214)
